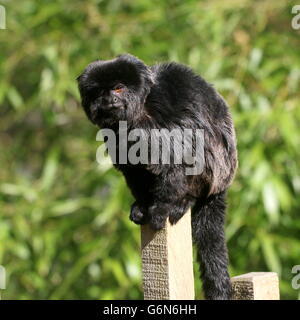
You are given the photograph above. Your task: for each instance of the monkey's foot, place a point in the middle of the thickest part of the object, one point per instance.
(157, 217)
(136, 215)
(176, 213)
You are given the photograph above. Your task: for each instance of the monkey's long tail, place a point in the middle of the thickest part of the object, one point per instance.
(208, 235)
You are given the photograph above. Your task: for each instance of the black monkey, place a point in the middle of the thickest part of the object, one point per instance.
(171, 95)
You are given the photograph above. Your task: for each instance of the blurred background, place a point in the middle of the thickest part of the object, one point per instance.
(64, 227)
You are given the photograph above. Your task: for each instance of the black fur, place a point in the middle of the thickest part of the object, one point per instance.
(171, 96)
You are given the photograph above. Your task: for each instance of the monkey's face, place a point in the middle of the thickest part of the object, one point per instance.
(114, 90)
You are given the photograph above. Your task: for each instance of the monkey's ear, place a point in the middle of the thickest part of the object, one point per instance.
(79, 78)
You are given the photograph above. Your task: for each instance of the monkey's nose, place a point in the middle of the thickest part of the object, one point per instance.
(110, 100)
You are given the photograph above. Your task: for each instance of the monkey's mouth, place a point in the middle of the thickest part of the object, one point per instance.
(112, 104)
(102, 111)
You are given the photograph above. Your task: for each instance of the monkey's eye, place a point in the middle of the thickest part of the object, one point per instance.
(119, 88)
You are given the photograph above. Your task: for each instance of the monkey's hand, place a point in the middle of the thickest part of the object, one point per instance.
(138, 215)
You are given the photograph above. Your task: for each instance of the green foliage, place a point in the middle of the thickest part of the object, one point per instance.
(64, 228)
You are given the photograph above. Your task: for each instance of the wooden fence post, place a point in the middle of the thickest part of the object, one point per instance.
(167, 261)
(256, 286)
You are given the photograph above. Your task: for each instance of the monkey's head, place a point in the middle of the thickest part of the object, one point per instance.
(114, 90)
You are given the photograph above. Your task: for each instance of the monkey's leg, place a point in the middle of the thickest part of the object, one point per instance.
(208, 234)
(168, 199)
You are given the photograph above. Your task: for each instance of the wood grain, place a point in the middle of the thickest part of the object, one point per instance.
(167, 260)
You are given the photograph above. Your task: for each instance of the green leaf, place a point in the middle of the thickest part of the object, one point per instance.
(50, 169)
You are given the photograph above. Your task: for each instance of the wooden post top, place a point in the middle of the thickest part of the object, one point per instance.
(256, 286)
